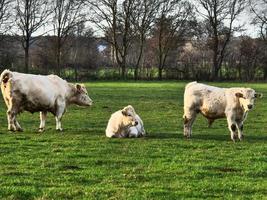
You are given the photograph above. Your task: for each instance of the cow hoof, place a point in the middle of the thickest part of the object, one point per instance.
(233, 139)
(40, 130)
(59, 129)
(241, 137)
(20, 130)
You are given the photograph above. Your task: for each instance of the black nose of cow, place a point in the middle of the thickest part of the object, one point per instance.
(136, 123)
(250, 106)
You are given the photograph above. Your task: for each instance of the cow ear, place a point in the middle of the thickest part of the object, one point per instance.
(5, 79)
(124, 112)
(258, 95)
(78, 87)
(239, 95)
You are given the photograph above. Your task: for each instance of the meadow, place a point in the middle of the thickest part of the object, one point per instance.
(81, 163)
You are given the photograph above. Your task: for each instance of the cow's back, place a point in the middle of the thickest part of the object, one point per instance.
(208, 100)
(36, 92)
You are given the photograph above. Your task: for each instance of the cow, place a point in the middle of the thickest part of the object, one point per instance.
(125, 123)
(214, 103)
(38, 93)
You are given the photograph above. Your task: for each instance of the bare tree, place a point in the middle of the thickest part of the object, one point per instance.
(258, 8)
(249, 53)
(31, 15)
(143, 19)
(126, 31)
(67, 14)
(113, 18)
(170, 28)
(83, 52)
(105, 18)
(5, 15)
(220, 15)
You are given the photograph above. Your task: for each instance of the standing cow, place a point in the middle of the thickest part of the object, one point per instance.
(213, 103)
(37, 93)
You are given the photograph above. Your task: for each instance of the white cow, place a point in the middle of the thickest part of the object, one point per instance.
(37, 93)
(213, 103)
(125, 123)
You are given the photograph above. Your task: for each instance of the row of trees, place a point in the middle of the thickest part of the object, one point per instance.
(136, 34)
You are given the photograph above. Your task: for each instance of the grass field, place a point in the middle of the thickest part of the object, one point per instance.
(81, 163)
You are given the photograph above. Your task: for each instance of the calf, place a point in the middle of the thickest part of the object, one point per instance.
(37, 93)
(125, 123)
(213, 103)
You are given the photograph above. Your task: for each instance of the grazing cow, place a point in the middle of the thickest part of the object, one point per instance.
(213, 103)
(37, 93)
(125, 123)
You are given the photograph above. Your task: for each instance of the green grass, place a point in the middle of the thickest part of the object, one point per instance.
(81, 163)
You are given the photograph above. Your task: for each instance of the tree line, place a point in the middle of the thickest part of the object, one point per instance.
(138, 39)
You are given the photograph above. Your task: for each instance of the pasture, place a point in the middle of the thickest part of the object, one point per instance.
(81, 163)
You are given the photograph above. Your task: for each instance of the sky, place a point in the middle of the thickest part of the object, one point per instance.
(244, 19)
(251, 30)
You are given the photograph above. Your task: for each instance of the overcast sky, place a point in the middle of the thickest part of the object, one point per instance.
(244, 19)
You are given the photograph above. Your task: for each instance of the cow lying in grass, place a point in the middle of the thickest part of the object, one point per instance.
(125, 123)
(37, 93)
(213, 103)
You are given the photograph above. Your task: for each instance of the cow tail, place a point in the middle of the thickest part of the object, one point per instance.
(5, 76)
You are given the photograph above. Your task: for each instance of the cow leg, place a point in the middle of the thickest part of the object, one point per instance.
(43, 115)
(133, 132)
(117, 136)
(232, 125)
(59, 114)
(11, 120)
(189, 119)
(18, 127)
(111, 134)
(210, 122)
(240, 131)
(11, 126)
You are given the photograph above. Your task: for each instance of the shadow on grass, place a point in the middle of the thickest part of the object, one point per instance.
(256, 138)
(168, 135)
(180, 136)
(224, 137)
(211, 137)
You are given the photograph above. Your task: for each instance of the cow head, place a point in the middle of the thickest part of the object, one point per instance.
(129, 114)
(247, 97)
(81, 96)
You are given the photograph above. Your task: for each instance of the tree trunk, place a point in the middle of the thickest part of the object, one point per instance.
(136, 73)
(160, 73)
(239, 73)
(215, 72)
(123, 72)
(58, 55)
(215, 65)
(123, 65)
(142, 40)
(76, 73)
(265, 73)
(26, 69)
(58, 63)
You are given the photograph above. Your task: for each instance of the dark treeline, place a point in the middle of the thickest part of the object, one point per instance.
(134, 39)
